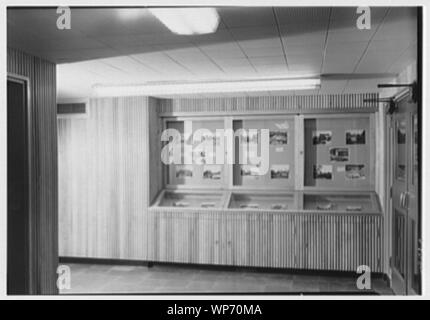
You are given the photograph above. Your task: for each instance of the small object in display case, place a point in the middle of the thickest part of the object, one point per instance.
(354, 208)
(325, 206)
(279, 201)
(181, 204)
(208, 205)
(345, 202)
(249, 206)
(188, 199)
(278, 206)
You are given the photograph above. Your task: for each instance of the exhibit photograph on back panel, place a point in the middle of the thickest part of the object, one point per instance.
(214, 149)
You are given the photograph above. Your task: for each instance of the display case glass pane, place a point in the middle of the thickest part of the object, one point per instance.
(262, 201)
(401, 153)
(339, 202)
(415, 149)
(196, 139)
(276, 167)
(338, 153)
(191, 200)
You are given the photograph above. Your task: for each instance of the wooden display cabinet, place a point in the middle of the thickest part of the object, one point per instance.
(315, 208)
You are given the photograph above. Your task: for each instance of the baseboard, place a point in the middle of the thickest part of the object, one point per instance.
(108, 261)
(149, 264)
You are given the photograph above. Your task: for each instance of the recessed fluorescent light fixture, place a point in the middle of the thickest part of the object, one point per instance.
(207, 87)
(188, 21)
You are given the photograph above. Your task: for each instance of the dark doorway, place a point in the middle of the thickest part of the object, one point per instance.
(18, 187)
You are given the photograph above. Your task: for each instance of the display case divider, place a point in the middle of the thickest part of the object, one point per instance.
(299, 152)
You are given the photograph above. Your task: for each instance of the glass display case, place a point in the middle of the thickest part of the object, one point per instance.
(359, 202)
(180, 199)
(199, 138)
(284, 201)
(338, 152)
(279, 152)
(322, 162)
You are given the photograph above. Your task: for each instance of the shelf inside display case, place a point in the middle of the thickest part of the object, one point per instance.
(341, 202)
(254, 200)
(292, 201)
(182, 199)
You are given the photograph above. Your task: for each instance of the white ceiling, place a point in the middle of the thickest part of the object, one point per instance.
(129, 46)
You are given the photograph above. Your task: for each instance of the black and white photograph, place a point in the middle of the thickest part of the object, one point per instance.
(278, 206)
(212, 172)
(355, 171)
(280, 171)
(321, 137)
(330, 93)
(356, 136)
(250, 171)
(278, 137)
(183, 171)
(323, 171)
(339, 154)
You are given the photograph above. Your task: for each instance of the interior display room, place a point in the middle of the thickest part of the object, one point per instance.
(336, 184)
(320, 206)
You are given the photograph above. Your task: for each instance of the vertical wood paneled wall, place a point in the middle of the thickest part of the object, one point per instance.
(272, 104)
(110, 171)
(299, 240)
(44, 215)
(104, 179)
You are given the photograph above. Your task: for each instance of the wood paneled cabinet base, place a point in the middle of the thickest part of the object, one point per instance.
(311, 240)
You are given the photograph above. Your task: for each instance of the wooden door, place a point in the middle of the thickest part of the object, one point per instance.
(405, 216)
(18, 188)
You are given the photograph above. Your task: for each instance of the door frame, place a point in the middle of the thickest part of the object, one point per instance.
(31, 252)
(391, 136)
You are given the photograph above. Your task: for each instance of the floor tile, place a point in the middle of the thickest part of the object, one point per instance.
(109, 279)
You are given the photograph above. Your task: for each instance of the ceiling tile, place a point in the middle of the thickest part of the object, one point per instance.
(254, 33)
(223, 50)
(261, 43)
(264, 61)
(407, 57)
(263, 52)
(247, 16)
(161, 62)
(400, 24)
(128, 65)
(298, 15)
(342, 58)
(349, 35)
(304, 38)
(232, 62)
(381, 55)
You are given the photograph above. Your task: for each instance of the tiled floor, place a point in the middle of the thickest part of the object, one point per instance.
(159, 279)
